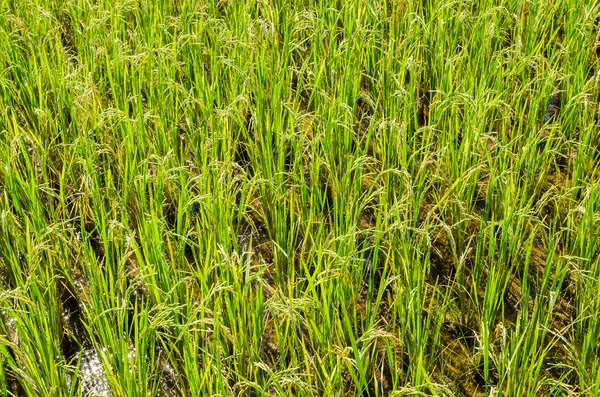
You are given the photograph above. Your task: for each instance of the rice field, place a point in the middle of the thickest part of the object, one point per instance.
(300, 198)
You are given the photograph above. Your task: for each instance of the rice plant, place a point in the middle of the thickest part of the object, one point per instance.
(307, 198)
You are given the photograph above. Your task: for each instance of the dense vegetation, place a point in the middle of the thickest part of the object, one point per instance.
(300, 197)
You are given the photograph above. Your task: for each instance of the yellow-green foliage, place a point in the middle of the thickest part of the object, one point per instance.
(299, 197)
